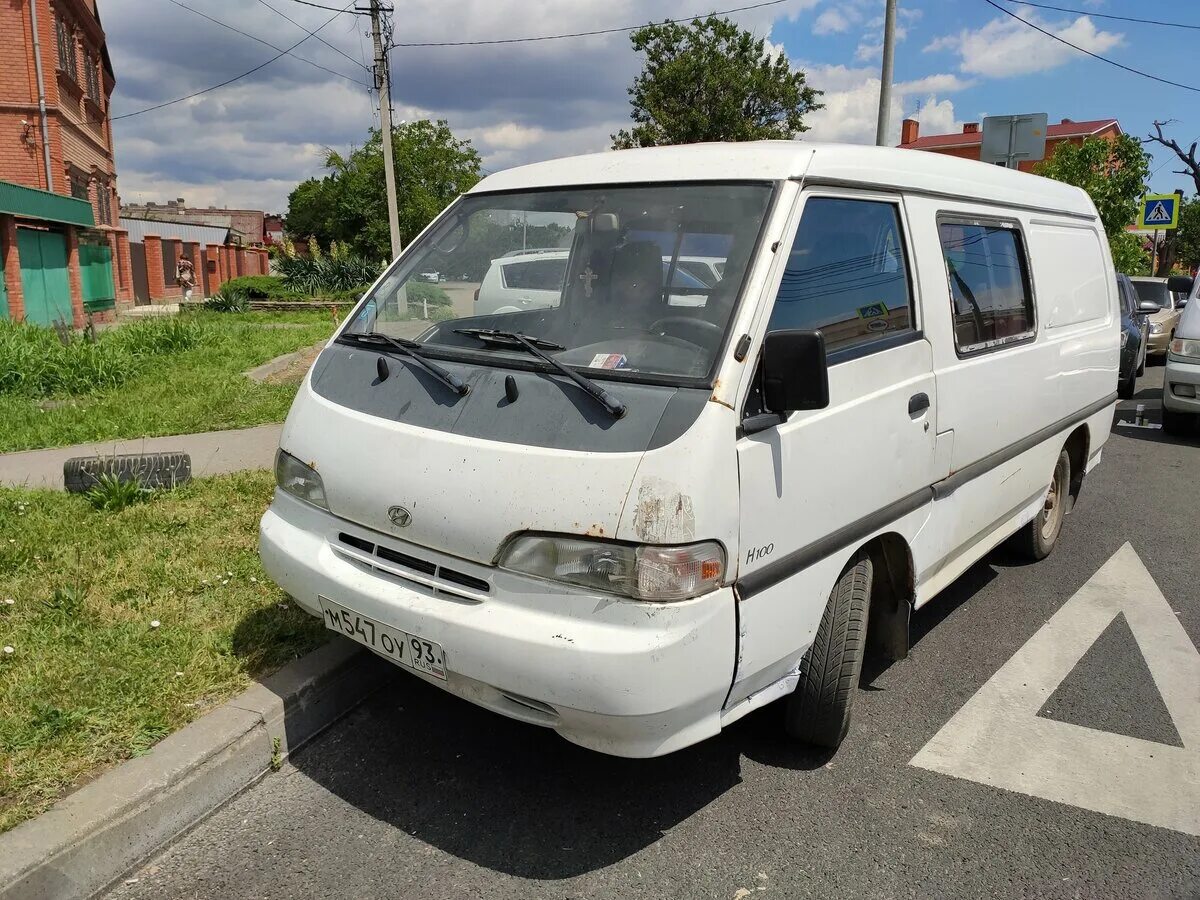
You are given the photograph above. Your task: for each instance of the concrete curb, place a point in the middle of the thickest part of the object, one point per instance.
(92, 837)
(278, 364)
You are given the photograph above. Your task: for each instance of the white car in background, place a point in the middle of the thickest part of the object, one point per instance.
(533, 279)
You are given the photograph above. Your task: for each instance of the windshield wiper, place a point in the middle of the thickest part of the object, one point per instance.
(409, 349)
(533, 346)
(509, 338)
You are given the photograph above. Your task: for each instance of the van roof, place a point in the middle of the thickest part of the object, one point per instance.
(891, 167)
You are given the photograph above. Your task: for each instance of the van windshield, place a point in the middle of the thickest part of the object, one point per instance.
(616, 280)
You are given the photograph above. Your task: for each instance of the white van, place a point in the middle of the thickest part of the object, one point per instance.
(634, 523)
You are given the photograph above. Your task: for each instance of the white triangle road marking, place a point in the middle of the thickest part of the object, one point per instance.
(998, 739)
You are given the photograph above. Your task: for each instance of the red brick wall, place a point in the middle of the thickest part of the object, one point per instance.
(12, 268)
(73, 280)
(155, 285)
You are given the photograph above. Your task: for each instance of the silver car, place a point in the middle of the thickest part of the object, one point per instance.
(1181, 381)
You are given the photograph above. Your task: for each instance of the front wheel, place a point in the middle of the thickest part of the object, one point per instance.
(1177, 423)
(818, 711)
(1037, 539)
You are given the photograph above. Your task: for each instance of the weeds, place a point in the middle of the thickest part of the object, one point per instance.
(113, 494)
(126, 627)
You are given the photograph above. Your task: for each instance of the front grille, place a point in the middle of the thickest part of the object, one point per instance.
(405, 566)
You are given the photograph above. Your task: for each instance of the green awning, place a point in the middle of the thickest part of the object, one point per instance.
(31, 203)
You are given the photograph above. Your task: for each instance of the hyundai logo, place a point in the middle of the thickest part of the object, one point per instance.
(400, 516)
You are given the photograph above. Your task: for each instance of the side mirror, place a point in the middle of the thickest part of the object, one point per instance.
(1148, 308)
(795, 371)
(1180, 284)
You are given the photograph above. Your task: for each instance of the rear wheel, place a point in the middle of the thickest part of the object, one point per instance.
(818, 711)
(1037, 539)
(1141, 369)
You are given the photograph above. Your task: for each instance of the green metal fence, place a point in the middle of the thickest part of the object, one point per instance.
(95, 273)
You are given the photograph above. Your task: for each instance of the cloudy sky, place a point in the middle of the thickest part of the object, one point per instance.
(247, 144)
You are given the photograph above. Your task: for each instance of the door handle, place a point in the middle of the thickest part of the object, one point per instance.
(917, 404)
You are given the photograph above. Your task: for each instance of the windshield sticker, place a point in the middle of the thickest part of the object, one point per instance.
(609, 361)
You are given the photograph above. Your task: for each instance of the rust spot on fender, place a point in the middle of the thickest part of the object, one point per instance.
(715, 399)
(595, 531)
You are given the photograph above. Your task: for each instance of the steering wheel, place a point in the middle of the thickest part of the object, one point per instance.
(705, 328)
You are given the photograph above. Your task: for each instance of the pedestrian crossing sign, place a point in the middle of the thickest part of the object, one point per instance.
(1159, 211)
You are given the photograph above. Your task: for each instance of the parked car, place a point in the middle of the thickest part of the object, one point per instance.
(1135, 332)
(633, 522)
(533, 279)
(1181, 380)
(1163, 322)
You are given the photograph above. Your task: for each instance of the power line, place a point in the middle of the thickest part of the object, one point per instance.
(312, 34)
(330, 8)
(230, 80)
(1097, 15)
(265, 43)
(1111, 62)
(575, 34)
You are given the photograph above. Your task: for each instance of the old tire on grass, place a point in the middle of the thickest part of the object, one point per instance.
(818, 711)
(151, 471)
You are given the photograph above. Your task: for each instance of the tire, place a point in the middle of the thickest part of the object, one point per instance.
(1037, 539)
(149, 470)
(1127, 387)
(818, 711)
(1179, 424)
(1141, 369)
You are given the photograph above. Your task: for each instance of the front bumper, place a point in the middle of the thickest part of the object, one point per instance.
(621, 677)
(1157, 344)
(1181, 373)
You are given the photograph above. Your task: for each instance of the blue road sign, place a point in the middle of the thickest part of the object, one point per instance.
(1159, 211)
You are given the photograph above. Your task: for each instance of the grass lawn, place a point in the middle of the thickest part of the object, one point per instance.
(91, 680)
(198, 389)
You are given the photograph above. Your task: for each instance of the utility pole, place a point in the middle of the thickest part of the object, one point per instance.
(383, 85)
(885, 78)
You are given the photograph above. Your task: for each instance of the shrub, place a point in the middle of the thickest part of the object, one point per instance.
(260, 287)
(156, 336)
(431, 293)
(319, 275)
(228, 299)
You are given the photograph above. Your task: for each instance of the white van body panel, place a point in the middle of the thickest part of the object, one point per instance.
(790, 505)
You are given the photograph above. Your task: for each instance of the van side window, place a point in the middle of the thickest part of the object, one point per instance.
(846, 273)
(989, 284)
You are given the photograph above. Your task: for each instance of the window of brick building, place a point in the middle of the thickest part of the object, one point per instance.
(79, 187)
(92, 74)
(67, 62)
(103, 203)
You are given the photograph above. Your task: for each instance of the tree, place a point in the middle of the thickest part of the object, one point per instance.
(1191, 165)
(349, 205)
(712, 81)
(1187, 239)
(1114, 175)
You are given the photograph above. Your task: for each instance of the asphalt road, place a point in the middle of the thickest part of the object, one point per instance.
(419, 795)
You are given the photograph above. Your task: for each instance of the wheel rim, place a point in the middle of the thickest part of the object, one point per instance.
(1052, 509)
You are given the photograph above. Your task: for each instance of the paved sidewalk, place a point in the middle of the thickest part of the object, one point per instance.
(212, 452)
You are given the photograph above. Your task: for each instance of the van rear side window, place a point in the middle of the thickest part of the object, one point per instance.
(536, 275)
(846, 274)
(989, 285)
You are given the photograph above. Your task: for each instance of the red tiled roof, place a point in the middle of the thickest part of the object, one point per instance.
(1059, 130)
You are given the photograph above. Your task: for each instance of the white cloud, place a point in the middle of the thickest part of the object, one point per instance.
(1006, 47)
(832, 21)
(852, 104)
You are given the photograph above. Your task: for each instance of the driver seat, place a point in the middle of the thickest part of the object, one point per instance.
(635, 284)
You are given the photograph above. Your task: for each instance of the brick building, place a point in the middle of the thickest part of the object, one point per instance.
(246, 224)
(967, 143)
(56, 142)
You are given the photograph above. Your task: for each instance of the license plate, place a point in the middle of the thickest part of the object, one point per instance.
(399, 646)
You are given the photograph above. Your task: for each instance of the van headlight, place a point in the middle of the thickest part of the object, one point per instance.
(299, 480)
(1188, 348)
(1124, 339)
(639, 571)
